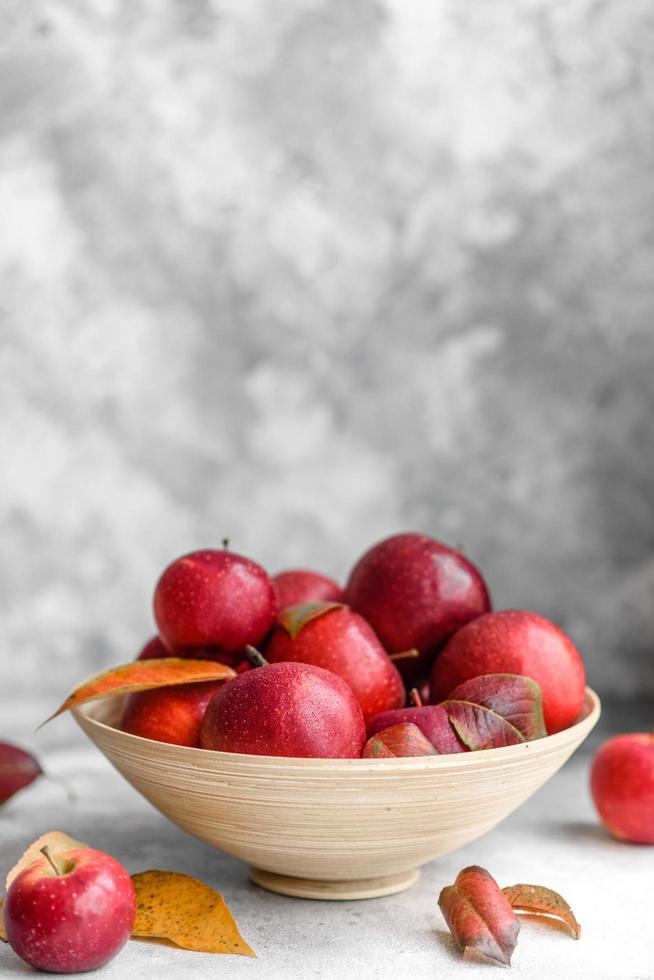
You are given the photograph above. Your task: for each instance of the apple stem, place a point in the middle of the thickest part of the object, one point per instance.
(225, 544)
(256, 659)
(414, 697)
(51, 858)
(405, 655)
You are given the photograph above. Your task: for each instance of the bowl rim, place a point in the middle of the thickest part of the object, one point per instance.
(203, 758)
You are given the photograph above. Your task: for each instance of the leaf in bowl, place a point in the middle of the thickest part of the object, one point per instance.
(187, 912)
(144, 675)
(479, 915)
(404, 739)
(494, 710)
(542, 901)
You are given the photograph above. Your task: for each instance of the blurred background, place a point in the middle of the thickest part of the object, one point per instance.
(307, 274)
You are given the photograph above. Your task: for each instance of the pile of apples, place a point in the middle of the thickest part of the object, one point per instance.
(320, 669)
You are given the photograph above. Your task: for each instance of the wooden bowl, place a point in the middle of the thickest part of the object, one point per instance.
(333, 828)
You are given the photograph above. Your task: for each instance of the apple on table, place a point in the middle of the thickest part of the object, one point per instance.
(71, 911)
(622, 786)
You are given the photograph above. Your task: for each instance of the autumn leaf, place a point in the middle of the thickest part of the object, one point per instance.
(56, 840)
(404, 739)
(145, 675)
(17, 770)
(543, 901)
(3, 934)
(185, 911)
(479, 915)
(293, 618)
(495, 710)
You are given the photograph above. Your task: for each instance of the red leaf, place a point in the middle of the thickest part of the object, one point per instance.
(404, 739)
(493, 710)
(293, 618)
(544, 901)
(479, 915)
(17, 770)
(145, 675)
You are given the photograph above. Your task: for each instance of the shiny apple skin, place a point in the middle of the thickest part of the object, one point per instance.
(169, 714)
(286, 709)
(342, 641)
(416, 592)
(516, 641)
(622, 786)
(73, 922)
(216, 599)
(298, 585)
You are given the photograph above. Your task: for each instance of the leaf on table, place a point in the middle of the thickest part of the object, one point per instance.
(185, 911)
(56, 840)
(145, 675)
(3, 934)
(293, 618)
(404, 739)
(479, 915)
(18, 769)
(494, 710)
(543, 901)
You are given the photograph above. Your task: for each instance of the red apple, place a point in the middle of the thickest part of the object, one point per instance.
(154, 649)
(415, 592)
(516, 641)
(214, 599)
(622, 784)
(432, 721)
(301, 585)
(286, 709)
(70, 912)
(169, 714)
(332, 636)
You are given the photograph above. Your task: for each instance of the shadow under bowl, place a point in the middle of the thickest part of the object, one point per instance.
(333, 828)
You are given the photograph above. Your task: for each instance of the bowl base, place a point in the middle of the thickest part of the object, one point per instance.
(335, 891)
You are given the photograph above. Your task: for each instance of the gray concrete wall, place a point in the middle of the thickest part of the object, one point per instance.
(308, 273)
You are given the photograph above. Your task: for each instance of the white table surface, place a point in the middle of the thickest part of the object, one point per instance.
(554, 839)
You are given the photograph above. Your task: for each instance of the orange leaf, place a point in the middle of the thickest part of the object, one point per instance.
(3, 934)
(187, 912)
(56, 840)
(145, 675)
(479, 915)
(544, 901)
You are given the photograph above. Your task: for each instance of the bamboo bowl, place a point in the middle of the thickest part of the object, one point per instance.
(333, 828)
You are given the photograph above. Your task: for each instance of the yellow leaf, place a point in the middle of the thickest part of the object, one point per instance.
(3, 934)
(187, 912)
(56, 840)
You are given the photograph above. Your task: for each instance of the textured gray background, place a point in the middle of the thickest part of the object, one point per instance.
(308, 273)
